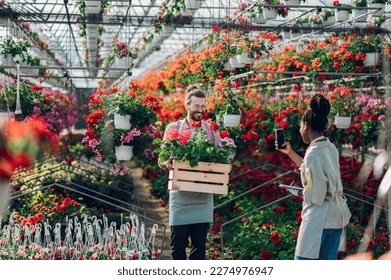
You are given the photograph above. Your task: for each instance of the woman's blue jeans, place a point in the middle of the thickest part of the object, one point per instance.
(328, 246)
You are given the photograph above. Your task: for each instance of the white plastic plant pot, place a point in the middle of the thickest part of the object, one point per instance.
(270, 12)
(341, 15)
(92, 7)
(228, 67)
(4, 196)
(4, 116)
(124, 152)
(359, 15)
(244, 58)
(329, 21)
(167, 30)
(122, 122)
(192, 6)
(371, 59)
(235, 63)
(232, 155)
(292, 2)
(231, 120)
(380, 6)
(124, 62)
(259, 19)
(343, 122)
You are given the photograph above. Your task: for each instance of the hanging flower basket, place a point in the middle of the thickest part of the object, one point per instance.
(231, 120)
(228, 67)
(122, 122)
(341, 15)
(329, 21)
(124, 62)
(243, 58)
(4, 195)
(343, 122)
(124, 152)
(4, 116)
(270, 12)
(92, 7)
(359, 15)
(259, 19)
(192, 6)
(235, 63)
(371, 59)
(380, 6)
(292, 2)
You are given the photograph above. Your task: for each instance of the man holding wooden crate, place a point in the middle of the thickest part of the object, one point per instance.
(190, 213)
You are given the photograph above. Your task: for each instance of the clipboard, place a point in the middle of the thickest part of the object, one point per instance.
(297, 191)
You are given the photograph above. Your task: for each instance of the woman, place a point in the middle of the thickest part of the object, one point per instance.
(325, 212)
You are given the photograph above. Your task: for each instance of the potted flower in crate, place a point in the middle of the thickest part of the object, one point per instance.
(198, 165)
(342, 102)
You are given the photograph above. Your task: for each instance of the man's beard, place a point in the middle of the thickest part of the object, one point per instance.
(196, 116)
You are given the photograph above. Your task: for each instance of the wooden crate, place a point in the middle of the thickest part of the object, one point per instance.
(206, 177)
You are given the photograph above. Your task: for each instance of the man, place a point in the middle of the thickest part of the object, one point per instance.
(190, 212)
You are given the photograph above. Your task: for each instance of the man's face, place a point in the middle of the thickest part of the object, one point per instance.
(196, 108)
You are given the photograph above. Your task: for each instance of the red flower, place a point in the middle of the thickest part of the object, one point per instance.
(276, 237)
(265, 255)
(214, 126)
(184, 137)
(195, 124)
(224, 133)
(172, 133)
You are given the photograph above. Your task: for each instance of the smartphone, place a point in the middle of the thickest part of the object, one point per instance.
(280, 137)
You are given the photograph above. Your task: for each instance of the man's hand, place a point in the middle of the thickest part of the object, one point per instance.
(168, 164)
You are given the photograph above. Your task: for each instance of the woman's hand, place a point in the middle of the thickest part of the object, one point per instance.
(287, 149)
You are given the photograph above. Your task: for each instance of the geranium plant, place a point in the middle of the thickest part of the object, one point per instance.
(281, 10)
(342, 101)
(22, 142)
(185, 147)
(120, 49)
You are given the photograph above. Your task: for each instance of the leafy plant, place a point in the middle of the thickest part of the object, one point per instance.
(185, 147)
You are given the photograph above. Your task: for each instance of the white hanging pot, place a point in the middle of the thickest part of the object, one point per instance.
(259, 19)
(4, 196)
(269, 12)
(167, 30)
(380, 6)
(235, 63)
(122, 122)
(228, 67)
(124, 62)
(231, 120)
(329, 21)
(341, 15)
(4, 116)
(244, 58)
(193, 5)
(92, 7)
(292, 2)
(371, 59)
(123, 152)
(359, 15)
(343, 122)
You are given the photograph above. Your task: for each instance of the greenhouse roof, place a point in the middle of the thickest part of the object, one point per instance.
(59, 25)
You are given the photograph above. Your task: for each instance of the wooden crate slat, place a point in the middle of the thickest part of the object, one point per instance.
(203, 166)
(181, 175)
(197, 187)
